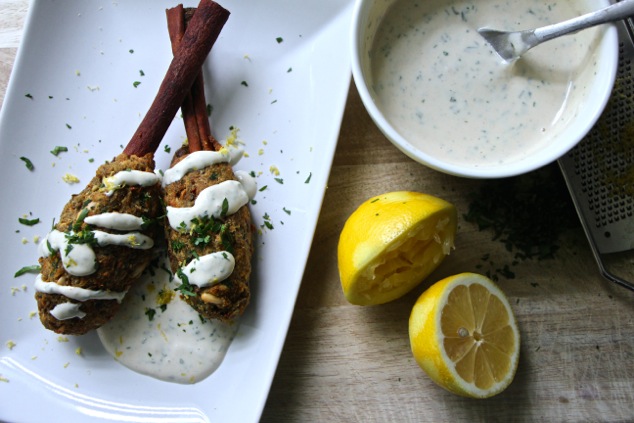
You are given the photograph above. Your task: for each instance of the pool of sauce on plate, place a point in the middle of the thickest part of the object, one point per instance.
(445, 90)
(157, 334)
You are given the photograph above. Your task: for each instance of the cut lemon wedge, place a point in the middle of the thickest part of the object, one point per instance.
(391, 243)
(463, 334)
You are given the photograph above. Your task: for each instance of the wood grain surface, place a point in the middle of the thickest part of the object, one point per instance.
(347, 363)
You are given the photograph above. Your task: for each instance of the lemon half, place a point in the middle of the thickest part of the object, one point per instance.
(391, 243)
(464, 335)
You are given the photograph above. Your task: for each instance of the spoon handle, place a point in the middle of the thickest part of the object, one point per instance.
(615, 12)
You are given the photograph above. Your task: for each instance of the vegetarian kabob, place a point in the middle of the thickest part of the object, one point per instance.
(105, 235)
(208, 225)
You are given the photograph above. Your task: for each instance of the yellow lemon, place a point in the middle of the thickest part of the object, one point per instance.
(391, 243)
(463, 334)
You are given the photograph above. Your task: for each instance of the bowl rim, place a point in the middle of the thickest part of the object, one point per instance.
(608, 55)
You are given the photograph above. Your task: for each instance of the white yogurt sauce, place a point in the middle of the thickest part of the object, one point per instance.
(129, 177)
(80, 260)
(74, 292)
(174, 345)
(65, 311)
(208, 270)
(209, 203)
(444, 89)
(115, 220)
(194, 161)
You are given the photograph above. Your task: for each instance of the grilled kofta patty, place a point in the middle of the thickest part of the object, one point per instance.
(85, 302)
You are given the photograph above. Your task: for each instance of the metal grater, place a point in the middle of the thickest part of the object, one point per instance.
(599, 173)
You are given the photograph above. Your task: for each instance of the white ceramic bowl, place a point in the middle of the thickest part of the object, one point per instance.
(588, 91)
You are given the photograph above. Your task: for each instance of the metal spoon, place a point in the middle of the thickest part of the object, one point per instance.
(510, 45)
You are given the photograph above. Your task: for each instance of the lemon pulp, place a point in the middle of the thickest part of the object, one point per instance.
(464, 336)
(391, 243)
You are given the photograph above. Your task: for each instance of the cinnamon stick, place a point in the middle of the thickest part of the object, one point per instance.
(200, 35)
(194, 107)
(176, 29)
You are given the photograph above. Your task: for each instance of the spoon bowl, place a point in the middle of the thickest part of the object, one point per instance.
(510, 45)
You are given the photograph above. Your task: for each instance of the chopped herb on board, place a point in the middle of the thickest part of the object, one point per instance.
(527, 213)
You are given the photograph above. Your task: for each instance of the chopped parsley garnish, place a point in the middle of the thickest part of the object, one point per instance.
(263, 188)
(287, 211)
(58, 149)
(28, 269)
(244, 83)
(28, 163)
(279, 40)
(185, 288)
(136, 83)
(167, 149)
(83, 237)
(289, 70)
(141, 72)
(27, 95)
(80, 220)
(310, 175)
(279, 181)
(28, 222)
(146, 222)
(225, 208)
(68, 126)
(150, 312)
(177, 245)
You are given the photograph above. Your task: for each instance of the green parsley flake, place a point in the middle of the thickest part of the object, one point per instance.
(244, 83)
(28, 222)
(310, 175)
(58, 149)
(28, 269)
(27, 95)
(150, 312)
(136, 83)
(279, 40)
(28, 163)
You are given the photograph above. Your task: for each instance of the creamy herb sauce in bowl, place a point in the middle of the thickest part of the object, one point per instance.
(440, 94)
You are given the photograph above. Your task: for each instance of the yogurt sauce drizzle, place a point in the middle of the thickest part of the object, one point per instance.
(446, 91)
(129, 177)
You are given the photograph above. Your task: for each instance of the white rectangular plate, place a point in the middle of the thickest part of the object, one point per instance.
(279, 72)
